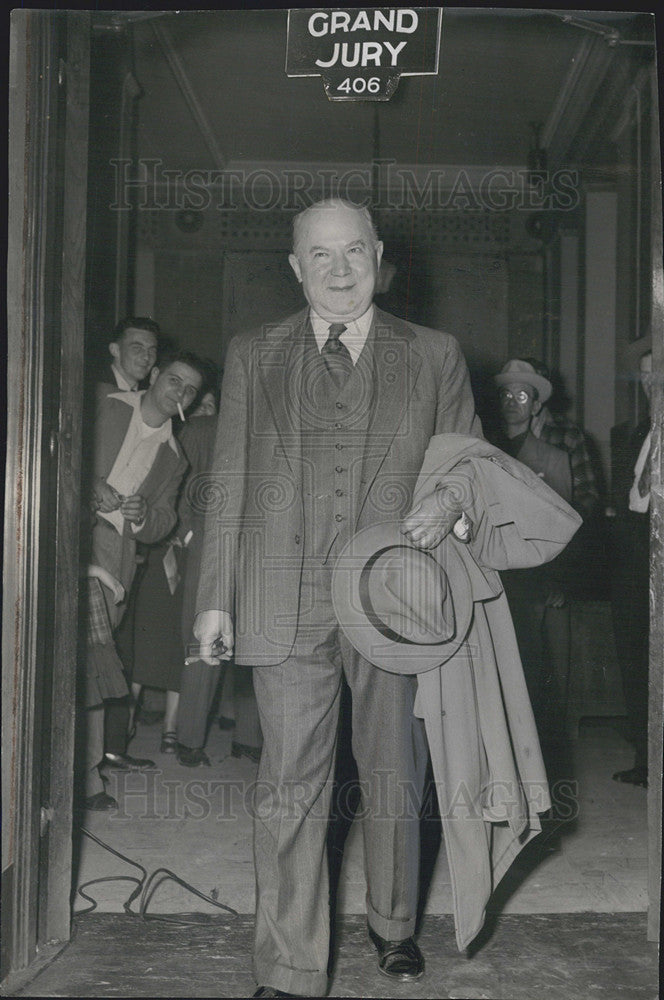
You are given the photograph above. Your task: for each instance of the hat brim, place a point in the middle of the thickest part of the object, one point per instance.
(543, 386)
(397, 657)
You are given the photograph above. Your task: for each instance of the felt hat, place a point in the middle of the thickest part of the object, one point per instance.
(404, 609)
(523, 371)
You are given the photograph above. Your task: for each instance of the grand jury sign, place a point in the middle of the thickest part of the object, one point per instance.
(362, 53)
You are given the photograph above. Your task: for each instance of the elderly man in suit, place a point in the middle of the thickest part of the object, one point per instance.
(325, 418)
(137, 469)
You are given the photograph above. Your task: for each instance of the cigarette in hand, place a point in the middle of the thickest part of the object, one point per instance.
(181, 412)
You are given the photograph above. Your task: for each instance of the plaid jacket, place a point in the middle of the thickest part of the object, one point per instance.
(562, 434)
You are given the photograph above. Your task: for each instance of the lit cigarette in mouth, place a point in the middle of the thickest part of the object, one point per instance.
(181, 412)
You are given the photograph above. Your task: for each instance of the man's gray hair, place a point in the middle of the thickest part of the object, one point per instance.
(332, 204)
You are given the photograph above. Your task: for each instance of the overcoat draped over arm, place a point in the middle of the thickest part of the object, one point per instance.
(485, 751)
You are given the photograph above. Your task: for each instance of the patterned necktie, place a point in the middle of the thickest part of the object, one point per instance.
(336, 355)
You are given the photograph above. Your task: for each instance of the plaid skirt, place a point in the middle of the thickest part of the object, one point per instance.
(103, 670)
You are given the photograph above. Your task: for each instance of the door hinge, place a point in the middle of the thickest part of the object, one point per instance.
(45, 817)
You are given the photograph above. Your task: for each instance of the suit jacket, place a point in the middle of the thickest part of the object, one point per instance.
(253, 549)
(485, 751)
(106, 376)
(113, 551)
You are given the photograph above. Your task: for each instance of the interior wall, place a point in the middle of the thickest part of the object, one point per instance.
(600, 319)
(113, 89)
(636, 148)
(231, 274)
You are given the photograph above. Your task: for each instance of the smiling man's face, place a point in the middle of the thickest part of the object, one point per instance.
(337, 261)
(178, 383)
(135, 353)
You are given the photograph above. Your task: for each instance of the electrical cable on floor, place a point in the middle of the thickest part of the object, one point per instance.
(145, 887)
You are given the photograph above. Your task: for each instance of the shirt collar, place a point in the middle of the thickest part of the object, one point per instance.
(164, 434)
(354, 337)
(121, 380)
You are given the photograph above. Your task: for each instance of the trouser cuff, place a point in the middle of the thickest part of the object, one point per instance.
(302, 982)
(391, 930)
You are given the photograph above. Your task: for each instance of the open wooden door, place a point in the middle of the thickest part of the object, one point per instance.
(49, 96)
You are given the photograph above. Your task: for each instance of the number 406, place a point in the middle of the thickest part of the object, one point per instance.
(359, 85)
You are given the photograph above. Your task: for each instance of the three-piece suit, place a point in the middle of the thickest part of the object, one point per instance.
(302, 462)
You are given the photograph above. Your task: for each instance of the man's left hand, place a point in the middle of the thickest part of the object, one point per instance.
(430, 521)
(134, 509)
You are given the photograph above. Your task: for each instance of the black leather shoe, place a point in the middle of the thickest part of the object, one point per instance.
(101, 802)
(635, 776)
(400, 960)
(193, 756)
(242, 750)
(269, 991)
(123, 762)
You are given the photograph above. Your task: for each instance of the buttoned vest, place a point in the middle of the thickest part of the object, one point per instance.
(333, 424)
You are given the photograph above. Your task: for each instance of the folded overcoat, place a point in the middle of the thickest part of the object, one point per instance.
(485, 751)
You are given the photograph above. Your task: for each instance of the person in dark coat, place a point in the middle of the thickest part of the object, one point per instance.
(537, 596)
(137, 468)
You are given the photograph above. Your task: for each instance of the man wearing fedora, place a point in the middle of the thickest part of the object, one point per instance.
(536, 596)
(324, 423)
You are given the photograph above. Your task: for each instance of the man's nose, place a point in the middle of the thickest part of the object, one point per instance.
(340, 264)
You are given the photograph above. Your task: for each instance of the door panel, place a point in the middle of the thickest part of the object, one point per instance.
(49, 75)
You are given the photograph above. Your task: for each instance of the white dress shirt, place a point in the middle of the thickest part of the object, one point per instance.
(354, 336)
(135, 457)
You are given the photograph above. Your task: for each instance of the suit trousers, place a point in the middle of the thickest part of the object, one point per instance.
(298, 702)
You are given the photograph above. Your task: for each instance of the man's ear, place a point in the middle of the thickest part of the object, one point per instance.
(379, 253)
(154, 375)
(295, 264)
(114, 348)
(537, 406)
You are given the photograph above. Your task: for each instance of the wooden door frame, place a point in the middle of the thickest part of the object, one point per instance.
(656, 671)
(49, 108)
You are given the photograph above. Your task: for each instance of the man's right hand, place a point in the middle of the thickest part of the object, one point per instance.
(214, 631)
(107, 499)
